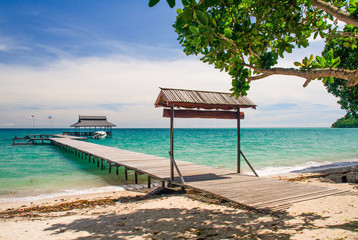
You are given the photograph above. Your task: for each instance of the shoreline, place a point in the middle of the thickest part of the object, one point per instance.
(272, 173)
(323, 176)
(128, 215)
(311, 166)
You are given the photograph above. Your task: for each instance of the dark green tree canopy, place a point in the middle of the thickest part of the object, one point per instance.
(348, 96)
(346, 122)
(247, 37)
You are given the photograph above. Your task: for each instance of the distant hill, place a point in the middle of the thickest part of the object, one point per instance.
(346, 122)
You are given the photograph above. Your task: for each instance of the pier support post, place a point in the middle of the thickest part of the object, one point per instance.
(149, 181)
(109, 167)
(135, 177)
(117, 169)
(126, 173)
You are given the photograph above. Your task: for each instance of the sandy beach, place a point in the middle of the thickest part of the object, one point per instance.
(133, 215)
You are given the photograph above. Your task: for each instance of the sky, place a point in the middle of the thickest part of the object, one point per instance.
(68, 58)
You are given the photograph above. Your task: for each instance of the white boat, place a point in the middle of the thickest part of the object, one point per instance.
(99, 135)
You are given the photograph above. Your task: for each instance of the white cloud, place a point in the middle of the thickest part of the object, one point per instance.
(125, 89)
(8, 44)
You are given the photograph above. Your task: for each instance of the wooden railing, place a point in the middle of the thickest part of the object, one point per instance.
(32, 139)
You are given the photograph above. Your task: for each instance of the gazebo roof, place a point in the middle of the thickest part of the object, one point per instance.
(201, 99)
(92, 121)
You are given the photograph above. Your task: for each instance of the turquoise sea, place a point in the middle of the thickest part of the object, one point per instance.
(40, 171)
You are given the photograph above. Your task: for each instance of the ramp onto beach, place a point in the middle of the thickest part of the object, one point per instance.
(252, 192)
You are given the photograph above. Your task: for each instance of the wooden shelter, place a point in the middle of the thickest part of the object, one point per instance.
(87, 125)
(202, 104)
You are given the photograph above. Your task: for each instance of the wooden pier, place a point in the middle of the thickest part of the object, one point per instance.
(33, 139)
(252, 192)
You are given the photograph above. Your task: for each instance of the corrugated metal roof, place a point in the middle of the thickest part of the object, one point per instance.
(93, 121)
(90, 123)
(201, 99)
(92, 118)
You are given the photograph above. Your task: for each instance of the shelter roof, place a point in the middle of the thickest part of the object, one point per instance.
(93, 121)
(201, 99)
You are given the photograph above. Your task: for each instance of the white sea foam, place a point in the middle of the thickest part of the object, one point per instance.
(304, 168)
(63, 193)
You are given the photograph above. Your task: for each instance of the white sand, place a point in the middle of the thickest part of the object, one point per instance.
(181, 217)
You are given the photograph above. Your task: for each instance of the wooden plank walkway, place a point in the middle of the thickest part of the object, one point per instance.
(32, 139)
(253, 192)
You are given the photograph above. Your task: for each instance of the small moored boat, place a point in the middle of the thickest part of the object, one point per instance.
(99, 135)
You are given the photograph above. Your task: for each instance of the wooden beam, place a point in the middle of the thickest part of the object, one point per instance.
(202, 114)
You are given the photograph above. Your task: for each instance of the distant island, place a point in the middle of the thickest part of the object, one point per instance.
(346, 122)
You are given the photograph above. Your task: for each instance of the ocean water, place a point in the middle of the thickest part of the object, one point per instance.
(40, 171)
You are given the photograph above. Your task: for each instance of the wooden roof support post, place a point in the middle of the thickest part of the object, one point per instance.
(172, 143)
(238, 141)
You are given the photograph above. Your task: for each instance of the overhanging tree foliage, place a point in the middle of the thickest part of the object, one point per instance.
(348, 96)
(247, 37)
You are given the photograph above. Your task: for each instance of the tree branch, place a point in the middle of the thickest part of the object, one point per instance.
(335, 11)
(219, 35)
(201, 1)
(350, 75)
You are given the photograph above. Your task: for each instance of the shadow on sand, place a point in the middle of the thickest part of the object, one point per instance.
(177, 223)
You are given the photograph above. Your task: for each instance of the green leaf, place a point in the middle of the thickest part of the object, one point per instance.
(316, 65)
(321, 61)
(184, 2)
(194, 30)
(195, 15)
(214, 22)
(203, 18)
(152, 3)
(288, 49)
(171, 3)
(187, 15)
(319, 24)
(298, 64)
(336, 62)
(212, 3)
(310, 60)
(228, 32)
(304, 61)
